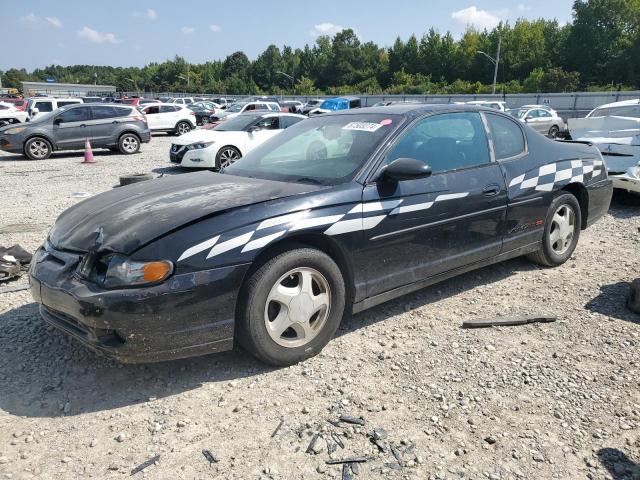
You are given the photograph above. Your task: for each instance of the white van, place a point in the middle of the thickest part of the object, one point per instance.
(38, 105)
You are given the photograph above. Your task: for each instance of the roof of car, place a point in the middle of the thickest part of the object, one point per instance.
(415, 109)
(623, 103)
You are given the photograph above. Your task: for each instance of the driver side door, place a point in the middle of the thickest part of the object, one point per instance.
(419, 228)
(266, 128)
(72, 127)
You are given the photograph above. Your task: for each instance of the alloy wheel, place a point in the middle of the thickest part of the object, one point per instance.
(562, 229)
(39, 149)
(228, 156)
(297, 307)
(183, 128)
(129, 144)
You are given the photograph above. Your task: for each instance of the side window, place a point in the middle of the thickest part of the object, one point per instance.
(544, 114)
(100, 113)
(532, 114)
(124, 112)
(450, 141)
(44, 106)
(80, 114)
(354, 104)
(508, 140)
(249, 108)
(152, 110)
(166, 109)
(270, 123)
(64, 104)
(286, 122)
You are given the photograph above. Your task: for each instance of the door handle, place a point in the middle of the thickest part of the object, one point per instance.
(491, 190)
(82, 125)
(114, 122)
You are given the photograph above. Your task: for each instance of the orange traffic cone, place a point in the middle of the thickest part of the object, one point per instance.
(88, 154)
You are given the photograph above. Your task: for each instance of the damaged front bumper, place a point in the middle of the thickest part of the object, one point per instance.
(629, 181)
(188, 314)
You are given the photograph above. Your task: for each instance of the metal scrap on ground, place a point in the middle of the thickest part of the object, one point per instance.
(275, 432)
(507, 321)
(144, 465)
(211, 458)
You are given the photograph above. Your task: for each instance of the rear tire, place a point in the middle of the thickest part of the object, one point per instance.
(128, 144)
(312, 289)
(554, 131)
(182, 128)
(37, 148)
(561, 232)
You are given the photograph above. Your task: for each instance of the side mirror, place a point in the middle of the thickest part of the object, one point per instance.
(405, 169)
(526, 119)
(254, 128)
(57, 121)
(35, 111)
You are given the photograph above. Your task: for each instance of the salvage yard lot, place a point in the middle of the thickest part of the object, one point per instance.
(558, 400)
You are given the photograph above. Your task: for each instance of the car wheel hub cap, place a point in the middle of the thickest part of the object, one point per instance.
(562, 229)
(228, 157)
(297, 307)
(38, 149)
(129, 144)
(183, 128)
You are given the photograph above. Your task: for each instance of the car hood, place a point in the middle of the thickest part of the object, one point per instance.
(197, 136)
(124, 219)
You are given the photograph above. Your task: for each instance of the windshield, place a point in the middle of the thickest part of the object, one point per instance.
(235, 107)
(324, 150)
(629, 111)
(237, 124)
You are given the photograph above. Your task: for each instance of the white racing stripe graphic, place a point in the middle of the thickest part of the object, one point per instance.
(283, 219)
(201, 247)
(230, 244)
(261, 242)
(573, 171)
(300, 221)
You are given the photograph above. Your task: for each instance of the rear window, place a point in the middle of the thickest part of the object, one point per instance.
(632, 111)
(508, 140)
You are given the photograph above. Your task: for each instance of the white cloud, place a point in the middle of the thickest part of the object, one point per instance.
(478, 18)
(97, 37)
(33, 19)
(187, 30)
(55, 21)
(523, 8)
(325, 29)
(215, 28)
(151, 14)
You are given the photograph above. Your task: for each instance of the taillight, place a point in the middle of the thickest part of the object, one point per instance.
(192, 113)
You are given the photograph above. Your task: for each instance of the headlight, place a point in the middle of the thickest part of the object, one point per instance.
(14, 130)
(122, 272)
(200, 145)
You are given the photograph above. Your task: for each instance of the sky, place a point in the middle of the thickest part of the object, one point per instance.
(137, 32)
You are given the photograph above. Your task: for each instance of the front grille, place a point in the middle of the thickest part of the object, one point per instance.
(177, 152)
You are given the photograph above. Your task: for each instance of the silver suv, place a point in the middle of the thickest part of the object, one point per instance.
(114, 127)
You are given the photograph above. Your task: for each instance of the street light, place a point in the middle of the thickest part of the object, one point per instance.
(290, 77)
(495, 61)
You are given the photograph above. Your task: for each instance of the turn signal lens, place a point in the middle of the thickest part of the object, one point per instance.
(123, 272)
(156, 271)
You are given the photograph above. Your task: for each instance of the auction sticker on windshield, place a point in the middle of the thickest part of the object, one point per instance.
(362, 126)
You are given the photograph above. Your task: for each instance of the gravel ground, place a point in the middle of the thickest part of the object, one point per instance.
(558, 400)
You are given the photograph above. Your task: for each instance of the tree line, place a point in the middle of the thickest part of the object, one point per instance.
(599, 50)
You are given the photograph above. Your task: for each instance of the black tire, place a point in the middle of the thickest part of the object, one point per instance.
(251, 329)
(547, 255)
(37, 148)
(554, 131)
(633, 297)
(135, 178)
(226, 156)
(182, 128)
(128, 144)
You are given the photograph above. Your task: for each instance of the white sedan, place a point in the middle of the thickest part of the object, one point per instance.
(229, 141)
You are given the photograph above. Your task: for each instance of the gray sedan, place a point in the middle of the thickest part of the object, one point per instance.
(114, 127)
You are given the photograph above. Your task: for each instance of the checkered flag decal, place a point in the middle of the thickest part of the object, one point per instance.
(548, 177)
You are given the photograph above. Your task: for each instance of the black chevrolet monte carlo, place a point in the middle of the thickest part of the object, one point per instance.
(335, 215)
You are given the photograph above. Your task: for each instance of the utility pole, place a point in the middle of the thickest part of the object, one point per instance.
(496, 63)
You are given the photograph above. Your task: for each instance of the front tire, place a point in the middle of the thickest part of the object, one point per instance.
(561, 232)
(37, 148)
(226, 156)
(291, 307)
